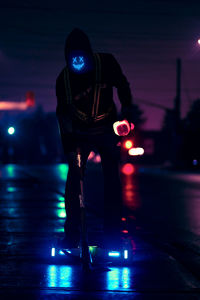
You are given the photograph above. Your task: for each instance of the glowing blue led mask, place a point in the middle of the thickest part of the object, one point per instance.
(78, 63)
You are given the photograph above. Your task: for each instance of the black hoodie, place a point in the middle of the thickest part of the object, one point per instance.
(77, 40)
(85, 100)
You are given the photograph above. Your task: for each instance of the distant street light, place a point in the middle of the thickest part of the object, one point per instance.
(11, 130)
(198, 41)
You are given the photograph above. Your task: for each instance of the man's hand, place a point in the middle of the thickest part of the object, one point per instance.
(122, 128)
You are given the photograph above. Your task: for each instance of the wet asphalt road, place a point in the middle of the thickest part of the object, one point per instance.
(162, 208)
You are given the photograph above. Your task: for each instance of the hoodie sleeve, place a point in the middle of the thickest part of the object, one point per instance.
(62, 109)
(123, 89)
(63, 115)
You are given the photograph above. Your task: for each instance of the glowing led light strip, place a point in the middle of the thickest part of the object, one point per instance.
(125, 254)
(53, 251)
(114, 254)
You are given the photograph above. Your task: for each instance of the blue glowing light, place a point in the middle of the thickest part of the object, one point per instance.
(195, 162)
(11, 130)
(62, 253)
(59, 276)
(78, 63)
(119, 278)
(68, 251)
(114, 254)
(125, 254)
(11, 189)
(59, 230)
(113, 279)
(53, 251)
(11, 170)
(126, 278)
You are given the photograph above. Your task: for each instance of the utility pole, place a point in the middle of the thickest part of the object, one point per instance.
(177, 101)
(177, 117)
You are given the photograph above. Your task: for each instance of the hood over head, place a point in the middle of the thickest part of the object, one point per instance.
(77, 42)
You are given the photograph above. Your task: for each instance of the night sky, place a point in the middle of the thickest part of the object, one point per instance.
(146, 37)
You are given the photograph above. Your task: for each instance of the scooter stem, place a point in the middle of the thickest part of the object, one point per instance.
(85, 254)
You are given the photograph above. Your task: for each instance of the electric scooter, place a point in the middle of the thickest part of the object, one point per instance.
(86, 254)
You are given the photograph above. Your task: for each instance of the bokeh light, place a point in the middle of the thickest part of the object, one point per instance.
(11, 130)
(128, 169)
(136, 151)
(128, 144)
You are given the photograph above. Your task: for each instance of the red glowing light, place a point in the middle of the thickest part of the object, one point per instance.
(91, 155)
(30, 99)
(128, 169)
(30, 102)
(128, 144)
(125, 231)
(97, 158)
(123, 219)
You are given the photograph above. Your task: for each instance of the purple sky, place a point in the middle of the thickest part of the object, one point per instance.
(146, 37)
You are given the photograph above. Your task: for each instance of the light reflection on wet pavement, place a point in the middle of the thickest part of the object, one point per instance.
(161, 212)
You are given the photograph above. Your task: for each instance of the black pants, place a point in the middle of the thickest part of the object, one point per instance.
(106, 145)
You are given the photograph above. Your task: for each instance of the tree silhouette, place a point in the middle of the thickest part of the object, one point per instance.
(191, 147)
(169, 121)
(192, 120)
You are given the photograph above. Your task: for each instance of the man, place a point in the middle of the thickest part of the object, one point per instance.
(86, 113)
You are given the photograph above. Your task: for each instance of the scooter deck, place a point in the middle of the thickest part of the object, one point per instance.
(97, 254)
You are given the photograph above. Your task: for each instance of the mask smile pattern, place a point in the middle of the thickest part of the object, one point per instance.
(78, 63)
